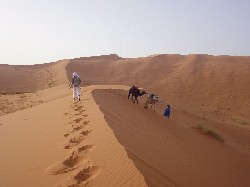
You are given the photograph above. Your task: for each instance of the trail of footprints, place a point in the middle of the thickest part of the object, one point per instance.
(81, 167)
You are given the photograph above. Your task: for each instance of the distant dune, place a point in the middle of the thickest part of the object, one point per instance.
(106, 140)
(30, 78)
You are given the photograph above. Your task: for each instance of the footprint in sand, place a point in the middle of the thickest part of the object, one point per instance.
(85, 148)
(87, 174)
(78, 114)
(78, 120)
(85, 133)
(81, 178)
(66, 135)
(69, 146)
(78, 108)
(74, 141)
(77, 128)
(80, 111)
(70, 163)
(85, 122)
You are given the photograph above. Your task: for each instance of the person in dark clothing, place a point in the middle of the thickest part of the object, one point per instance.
(167, 111)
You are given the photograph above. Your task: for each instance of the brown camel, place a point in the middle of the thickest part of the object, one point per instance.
(135, 92)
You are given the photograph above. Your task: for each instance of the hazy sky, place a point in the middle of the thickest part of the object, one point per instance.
(41, 31)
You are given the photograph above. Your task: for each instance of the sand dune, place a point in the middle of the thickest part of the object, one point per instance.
(217, 84)
(63, 143)
(167, 153)
(30, 78)
(106, 140)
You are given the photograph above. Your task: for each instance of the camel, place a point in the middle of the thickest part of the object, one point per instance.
(135, 92)
(152, 100)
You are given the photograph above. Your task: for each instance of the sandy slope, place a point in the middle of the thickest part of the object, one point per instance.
(63, 143)
(169, 154)
(26, 86)
(30, 140)
(47, 140)
(30, 78)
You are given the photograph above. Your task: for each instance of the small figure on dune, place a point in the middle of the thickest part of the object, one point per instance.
(135, 92)
(75, 83)
(152, 96)
(167, 111)
(152, 100)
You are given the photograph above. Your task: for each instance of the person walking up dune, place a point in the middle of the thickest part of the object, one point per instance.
(75, 83)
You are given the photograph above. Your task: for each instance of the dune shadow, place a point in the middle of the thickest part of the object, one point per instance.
(134, 134)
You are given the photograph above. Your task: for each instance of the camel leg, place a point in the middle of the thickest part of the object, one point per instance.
(136, 100)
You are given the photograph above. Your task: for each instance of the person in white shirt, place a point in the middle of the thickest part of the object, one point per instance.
(75, 83)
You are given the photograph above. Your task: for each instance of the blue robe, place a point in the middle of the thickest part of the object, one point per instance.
(167, 112)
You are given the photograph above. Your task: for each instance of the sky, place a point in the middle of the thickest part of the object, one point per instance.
(43, 31)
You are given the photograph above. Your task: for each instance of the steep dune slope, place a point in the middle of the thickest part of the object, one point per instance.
(168, 153)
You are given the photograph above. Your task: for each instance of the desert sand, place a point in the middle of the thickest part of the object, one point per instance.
(105, 139)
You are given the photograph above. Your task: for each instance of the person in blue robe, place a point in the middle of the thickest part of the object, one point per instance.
(167, 111)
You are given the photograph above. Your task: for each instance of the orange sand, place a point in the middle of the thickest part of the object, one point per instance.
(106, 140)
